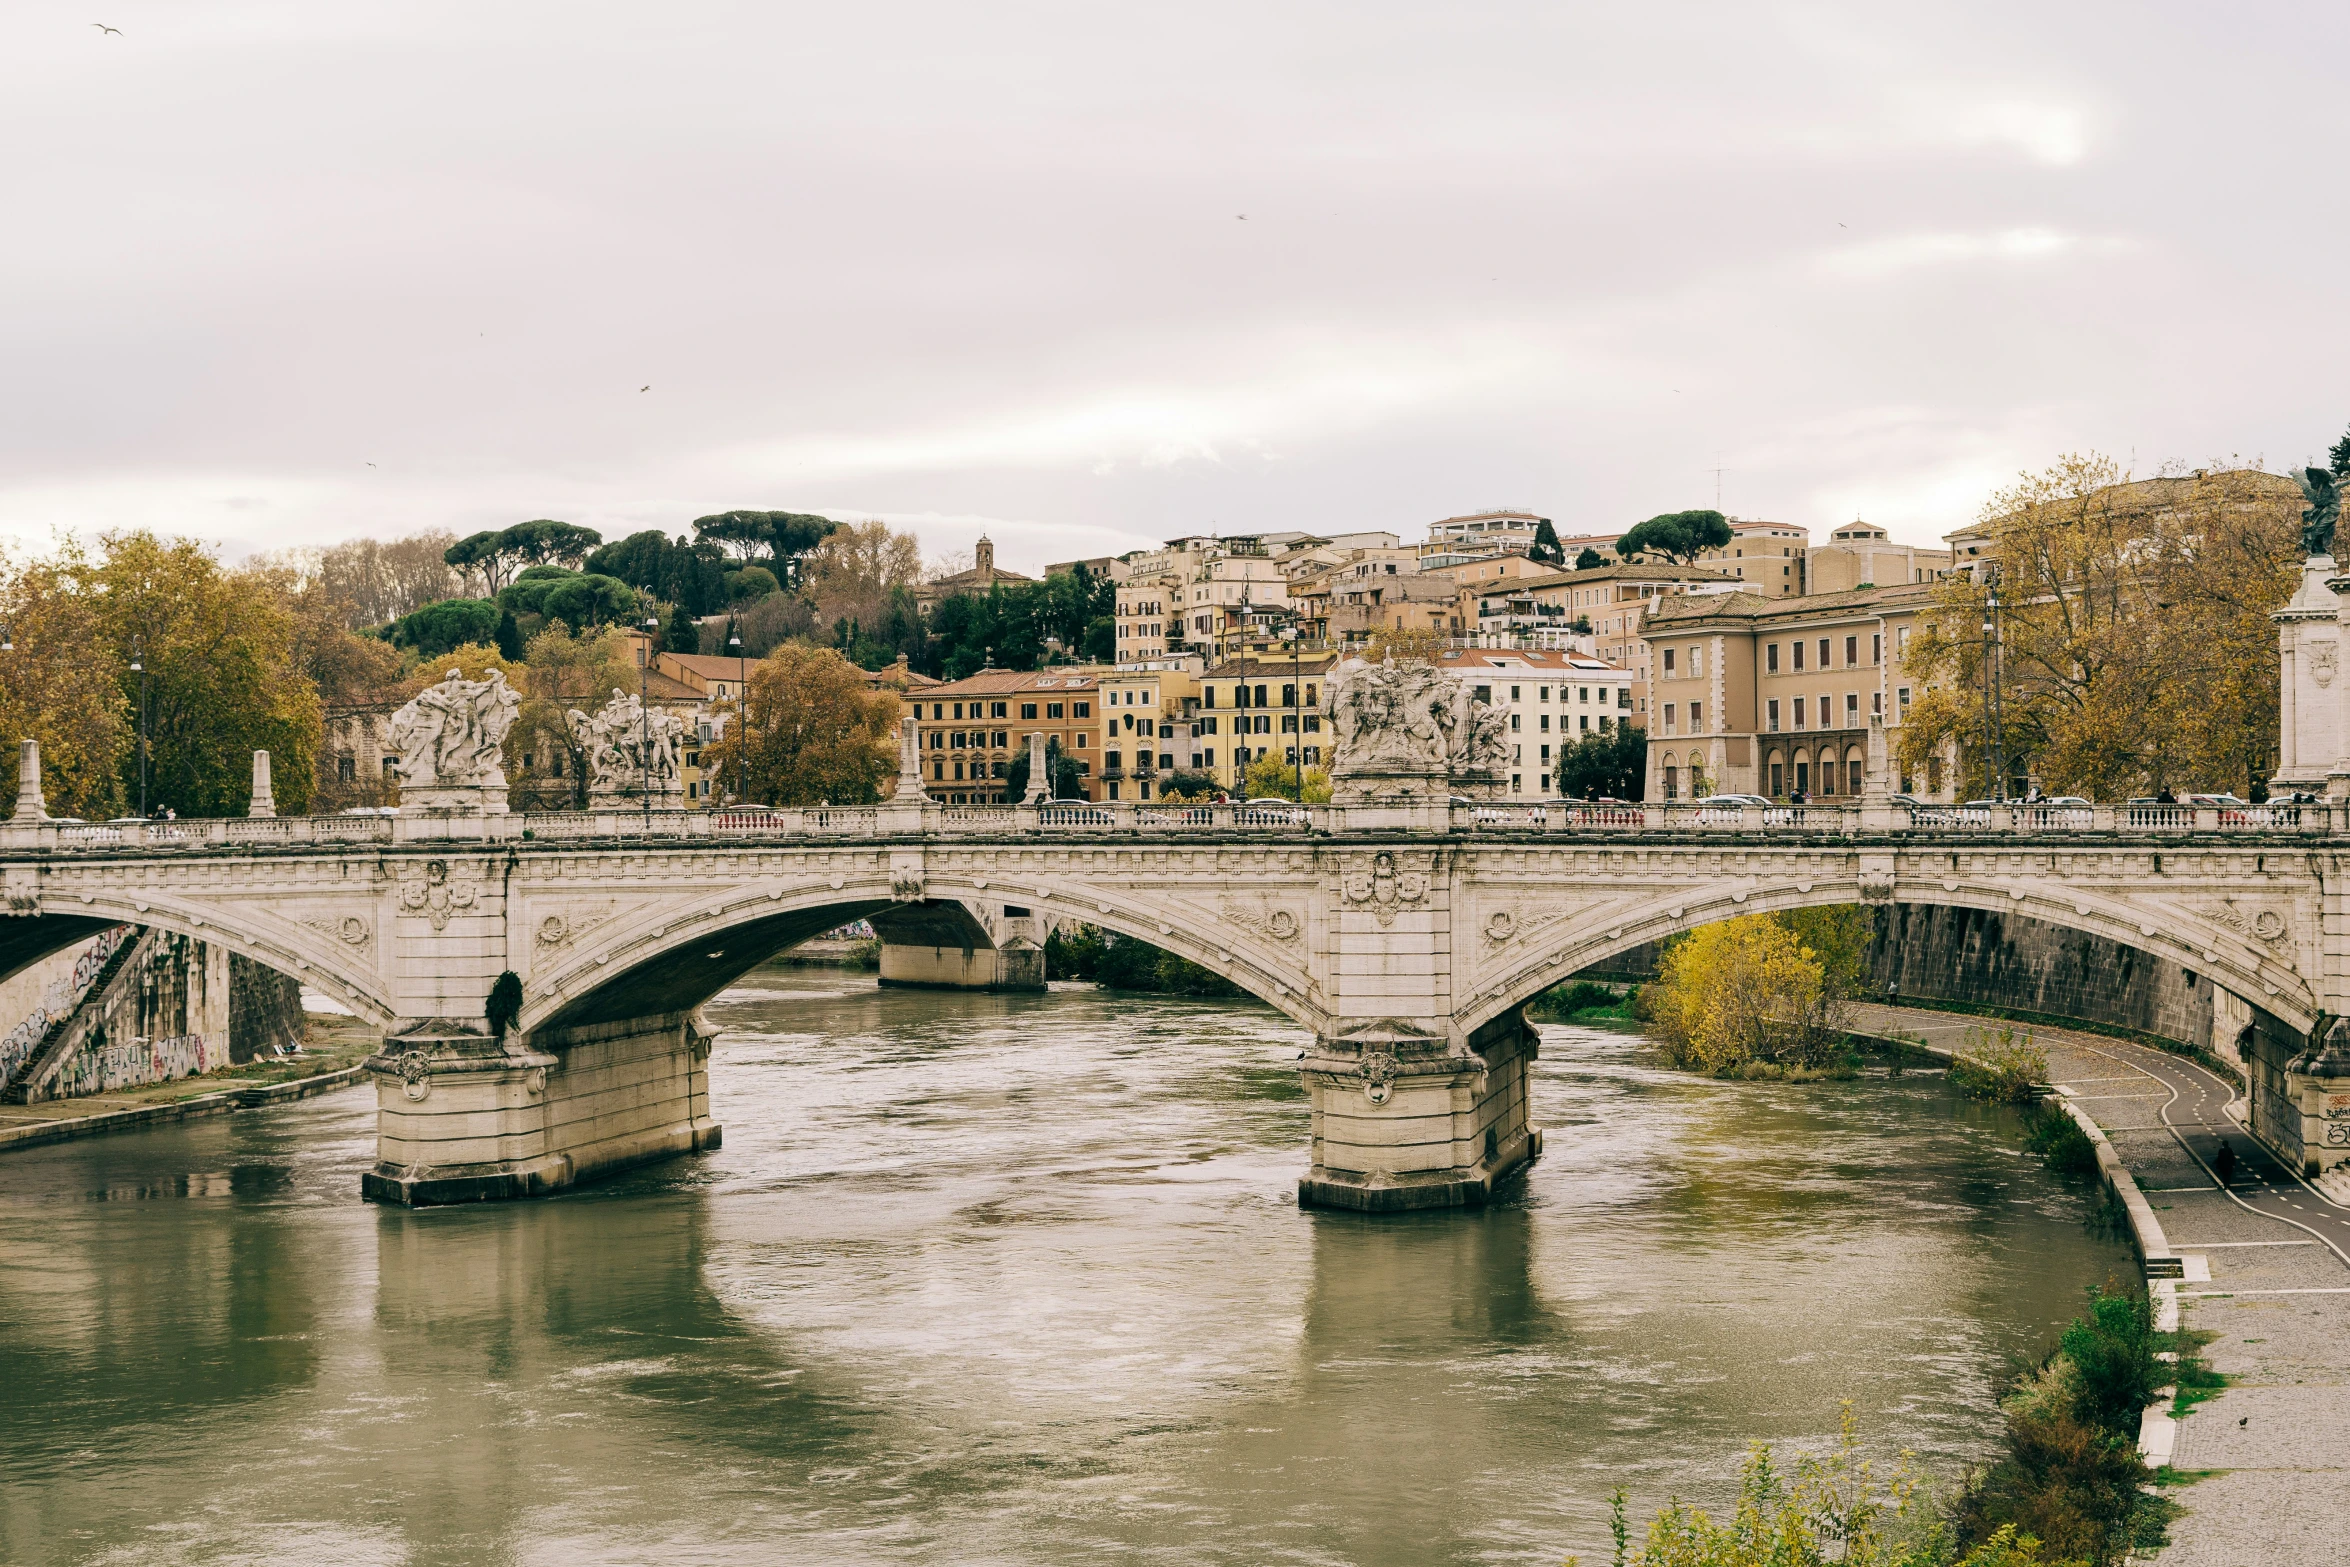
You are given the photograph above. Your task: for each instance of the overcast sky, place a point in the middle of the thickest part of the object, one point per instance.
(1088, 275)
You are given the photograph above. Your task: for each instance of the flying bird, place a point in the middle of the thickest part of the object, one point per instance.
(102, 27)
(371, 465)
(646, 387)
(1243, 217)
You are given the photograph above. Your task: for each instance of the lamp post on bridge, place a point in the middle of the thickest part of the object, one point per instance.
(1992, 715)
(1297, 704)
(644, 722)
(139, 668)
(742, 717)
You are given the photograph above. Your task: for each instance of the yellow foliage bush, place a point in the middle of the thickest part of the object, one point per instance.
(1745, 996)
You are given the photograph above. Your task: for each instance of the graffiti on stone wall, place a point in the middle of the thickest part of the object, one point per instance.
(63, 995)
(99, 1069)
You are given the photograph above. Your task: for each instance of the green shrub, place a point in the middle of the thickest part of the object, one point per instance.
(1999, 1066)
(2059, 1141)
(1123, 963)
(2072, 1477)
(1835, 1510)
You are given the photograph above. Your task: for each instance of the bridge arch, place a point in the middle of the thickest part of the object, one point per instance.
(329, 963)
(2259, 977)
(673, 959)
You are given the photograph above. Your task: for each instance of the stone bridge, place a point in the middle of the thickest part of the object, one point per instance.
(1403, 936)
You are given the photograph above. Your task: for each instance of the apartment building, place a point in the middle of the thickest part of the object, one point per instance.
(969, 730)
(1611, 600)
(1482, 533)
(1175, 599)
(1863, 555)
(1255, 707)
(1771, 558)
(1552, 699)
(1759, 695)
(1146, 727)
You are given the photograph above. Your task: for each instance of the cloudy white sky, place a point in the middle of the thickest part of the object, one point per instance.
(1090, 274)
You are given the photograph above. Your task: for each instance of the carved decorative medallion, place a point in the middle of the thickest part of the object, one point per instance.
(2322, 663)
(2269, 925)
(553, 932)
(1378, 1076)
(435, 895)
(902, 889)
(1278, 924)
(1384, 888)
(415, 1074)
(1876, 885)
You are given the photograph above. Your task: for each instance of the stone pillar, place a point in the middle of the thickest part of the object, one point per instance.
(2318, 1085)
(909, 760)
(262, 804)
(1408, 1111)
(1877, 813)
(2309, 649)
(30, 807)
(2325, 674)
(1040, 783)
(463, 1117)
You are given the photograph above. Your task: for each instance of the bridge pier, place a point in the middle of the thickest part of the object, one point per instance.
(463, 1117)
(1402, 1121)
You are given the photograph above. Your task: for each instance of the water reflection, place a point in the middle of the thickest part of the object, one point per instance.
(1015, 1279)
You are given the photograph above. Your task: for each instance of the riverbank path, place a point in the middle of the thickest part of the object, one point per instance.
(2268, 1274)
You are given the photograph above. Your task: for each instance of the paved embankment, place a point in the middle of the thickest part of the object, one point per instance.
(2267, 1271)
(332, 1049)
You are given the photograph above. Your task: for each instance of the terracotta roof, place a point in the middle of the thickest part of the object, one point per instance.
(1527, 658)
(1758, 607)
(1310, 664)
(997, 682)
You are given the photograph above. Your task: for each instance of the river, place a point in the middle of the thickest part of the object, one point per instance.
(1006, 1279)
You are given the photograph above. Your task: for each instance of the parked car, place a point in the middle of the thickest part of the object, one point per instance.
(2232, 811)
(1729, 810)
(1278, 810)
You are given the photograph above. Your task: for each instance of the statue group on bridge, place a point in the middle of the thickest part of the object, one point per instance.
(452, 737)
(634, 754)
(1411, 718)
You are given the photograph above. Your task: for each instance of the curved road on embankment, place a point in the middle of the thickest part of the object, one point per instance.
(2276, 1443)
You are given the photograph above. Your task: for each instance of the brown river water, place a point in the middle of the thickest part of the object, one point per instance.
(1006, 1279)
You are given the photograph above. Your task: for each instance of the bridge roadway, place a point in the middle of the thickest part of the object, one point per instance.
(1404, 937)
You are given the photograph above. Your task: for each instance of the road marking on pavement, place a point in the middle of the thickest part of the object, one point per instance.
(2208, 1294)
(2216, 1245)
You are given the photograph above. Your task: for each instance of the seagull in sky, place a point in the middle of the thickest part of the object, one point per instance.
(371, 465)
(102, 27)
(646, 387)
(1243, 217)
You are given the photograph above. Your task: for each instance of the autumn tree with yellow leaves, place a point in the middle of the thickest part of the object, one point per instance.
(2134, 649)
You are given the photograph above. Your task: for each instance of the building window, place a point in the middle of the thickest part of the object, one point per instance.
(1853, 782)
(1797, 649)
(1876, 704)
(1778, 779)
(1668, 670)
(1823, 652)
(1028, 710)
(1851, 651)
(1877, 648)
(346, 768)
(1669, 729)
(938, 771)
(998, 710)
(1697, 718)
(1771, 657)
(1799, 714)
(1672, 781)
(1771, 715)
(1901, 705)
(1082, 710)
(1052, 710)
(1802, 777)
(1852, 709)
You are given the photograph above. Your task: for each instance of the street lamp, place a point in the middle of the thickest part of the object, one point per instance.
(139, 668)
(742, 710)
(7, 638)
(1991, 714)
(1297, 700)
(644, 718)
